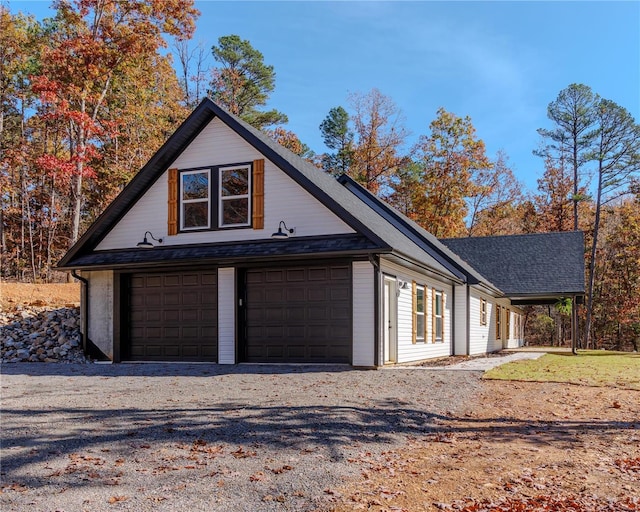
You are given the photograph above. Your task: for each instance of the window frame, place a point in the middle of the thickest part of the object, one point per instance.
(214, 211)
(421, 337)
(247, 196)
(182, 201)
(436, 316)
(498, 322)
(483, 311)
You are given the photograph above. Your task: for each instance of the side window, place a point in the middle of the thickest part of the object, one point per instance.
(234, 196)
(438, 315)
(195, 193)
(498, 322)
(419, 311)
(483, 312)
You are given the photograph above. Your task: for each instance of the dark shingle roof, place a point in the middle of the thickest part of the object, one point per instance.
(535, 265)
(229, 252)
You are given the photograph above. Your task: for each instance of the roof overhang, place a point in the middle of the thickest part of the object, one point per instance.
(228, 253)
(540, 300)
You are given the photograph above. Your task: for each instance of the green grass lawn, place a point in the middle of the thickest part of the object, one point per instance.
(589, 368)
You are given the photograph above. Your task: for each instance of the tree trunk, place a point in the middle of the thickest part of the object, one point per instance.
(592, 263)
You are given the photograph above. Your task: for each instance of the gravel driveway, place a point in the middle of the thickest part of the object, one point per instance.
(206, 437)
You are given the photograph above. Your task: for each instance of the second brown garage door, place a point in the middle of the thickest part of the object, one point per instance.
(172, 317)
(298, 315)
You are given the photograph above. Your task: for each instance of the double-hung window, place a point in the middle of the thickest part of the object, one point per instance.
(419, 311)
(234, 196)
(218, 197)
(483, 311)
(508, 325)
(195, 194)
(438, 315)
(498, 322)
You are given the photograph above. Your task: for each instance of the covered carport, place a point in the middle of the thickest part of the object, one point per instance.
(530, 269)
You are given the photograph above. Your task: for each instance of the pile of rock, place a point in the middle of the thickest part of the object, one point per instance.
(41, 334)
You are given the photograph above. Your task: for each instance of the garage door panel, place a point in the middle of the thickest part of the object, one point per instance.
(321, 293)
(153, 282)
(290, 312)
(173, 316)
(172, 280)
(274, 276)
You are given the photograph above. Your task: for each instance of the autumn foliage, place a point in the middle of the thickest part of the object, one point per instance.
(87, 97)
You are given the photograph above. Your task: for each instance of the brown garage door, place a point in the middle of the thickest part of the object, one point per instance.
(298, 314)
(173, 317)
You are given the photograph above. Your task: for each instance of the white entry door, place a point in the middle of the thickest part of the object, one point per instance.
(389, 321)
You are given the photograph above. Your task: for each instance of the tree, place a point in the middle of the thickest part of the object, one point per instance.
(616, 152)
(290, 140)
(91, 44)
(379, 134)
(573, 115)
(494, 193)
(448, 159)
(27, 207)
(337, 136)
(553, 201)
(616, 312)
(243, 82)
(192, 71)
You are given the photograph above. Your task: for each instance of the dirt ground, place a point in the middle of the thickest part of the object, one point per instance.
(521, 446)
(27, 294)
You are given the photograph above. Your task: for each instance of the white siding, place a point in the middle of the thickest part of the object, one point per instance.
(226, 316)
(363, 314)
(483, 337)
(100, 325)
(218, 145)
(407, 350)
(461, 319)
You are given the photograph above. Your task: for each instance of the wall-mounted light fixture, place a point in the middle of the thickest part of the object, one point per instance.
(281, 234)
(403, 285)
(145, 244)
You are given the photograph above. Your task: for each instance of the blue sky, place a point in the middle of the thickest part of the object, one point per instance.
(499, 62)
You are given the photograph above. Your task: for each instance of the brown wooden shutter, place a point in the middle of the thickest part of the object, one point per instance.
(258, 194)
(172, 217)
(414, 316)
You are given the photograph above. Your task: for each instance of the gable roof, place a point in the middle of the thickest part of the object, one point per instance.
(378, 229)
(533, 266)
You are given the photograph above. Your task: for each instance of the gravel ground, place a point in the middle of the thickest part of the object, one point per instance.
(205, 437)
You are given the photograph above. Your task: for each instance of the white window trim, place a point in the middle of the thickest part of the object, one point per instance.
(483, 311)
(436, 315)
(246, 196)
(191, 201)
(421, 336)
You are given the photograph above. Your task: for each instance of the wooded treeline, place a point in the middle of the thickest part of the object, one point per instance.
(88, 96)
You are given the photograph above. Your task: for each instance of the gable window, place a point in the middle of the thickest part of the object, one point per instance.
(217, 197)
(234, 190)
(419, 309)
(195, 193)
(438, 315)
(483, 312)
(498, 322)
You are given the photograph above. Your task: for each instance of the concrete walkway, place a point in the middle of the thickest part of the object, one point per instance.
(483, 364)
